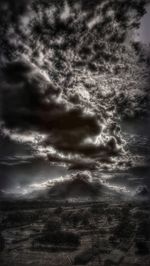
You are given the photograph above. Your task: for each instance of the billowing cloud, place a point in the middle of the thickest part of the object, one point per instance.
(77, 185)
(30, 102)
(69, 71)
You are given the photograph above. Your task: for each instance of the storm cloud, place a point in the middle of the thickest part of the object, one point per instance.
(30, 102)
(66, 71)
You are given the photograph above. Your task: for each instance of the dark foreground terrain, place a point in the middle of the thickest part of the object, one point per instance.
(95, 233)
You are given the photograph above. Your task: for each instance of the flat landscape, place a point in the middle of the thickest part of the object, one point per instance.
(84, 233)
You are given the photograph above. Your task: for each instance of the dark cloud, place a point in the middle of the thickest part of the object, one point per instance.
(19, 7)
(78, 185)
(30, 102)
(83, 47)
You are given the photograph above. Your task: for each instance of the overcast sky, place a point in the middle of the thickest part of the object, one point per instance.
(144, 32)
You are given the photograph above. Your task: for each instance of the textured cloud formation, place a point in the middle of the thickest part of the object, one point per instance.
(30, 102)
(77, 185)
(17, 7)
(68, 69)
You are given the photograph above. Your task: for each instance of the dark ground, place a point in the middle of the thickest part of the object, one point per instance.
(62, 233)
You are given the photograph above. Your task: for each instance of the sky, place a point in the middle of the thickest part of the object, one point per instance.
(144, 32)
(61, 73)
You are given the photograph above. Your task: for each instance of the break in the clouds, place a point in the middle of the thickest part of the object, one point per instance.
(144, 31)
(69, 72)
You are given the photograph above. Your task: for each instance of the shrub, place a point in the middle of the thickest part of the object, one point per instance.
(144, 229)
(19, 217)
(61, 238)
(142, 248)
(83, 257)
(2, 243)
(52, 225)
